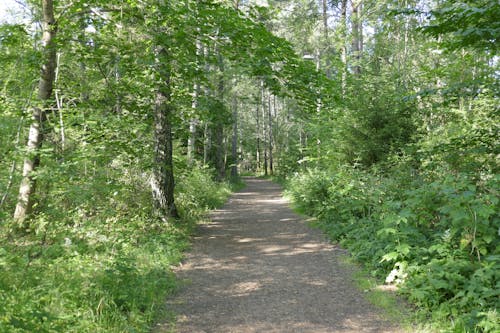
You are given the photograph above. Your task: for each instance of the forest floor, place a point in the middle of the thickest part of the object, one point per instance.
(258, 267)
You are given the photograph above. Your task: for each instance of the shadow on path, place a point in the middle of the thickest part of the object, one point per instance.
(258, 268)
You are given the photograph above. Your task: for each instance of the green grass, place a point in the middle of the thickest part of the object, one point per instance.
(393, 307)
(99, 269)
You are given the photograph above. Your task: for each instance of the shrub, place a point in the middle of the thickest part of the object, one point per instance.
(436, 236)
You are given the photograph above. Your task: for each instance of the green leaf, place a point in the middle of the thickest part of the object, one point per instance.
(391, 256)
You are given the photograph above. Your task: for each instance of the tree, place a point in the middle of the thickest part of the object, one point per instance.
(39, 113)
(162, 181)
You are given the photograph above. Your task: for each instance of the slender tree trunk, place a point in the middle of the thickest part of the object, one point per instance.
(324, 4)
(60, 104)
(360, 29)
(270, 134)
(356, 35)
(35, 138)
(220, 166)
(264, 126)
(303, 146)
(193, 122)
(207, 132)
(207, 143)
(257, 153)
(234, 141)
(219, 152)
(191, 141)
(326, 42)
(343, 27)
(162, 182)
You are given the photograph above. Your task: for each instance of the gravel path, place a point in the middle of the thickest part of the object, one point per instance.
(259, 268)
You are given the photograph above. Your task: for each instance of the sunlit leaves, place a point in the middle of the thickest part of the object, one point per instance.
(467, 24)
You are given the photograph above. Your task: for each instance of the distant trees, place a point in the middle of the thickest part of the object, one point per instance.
(125, 70)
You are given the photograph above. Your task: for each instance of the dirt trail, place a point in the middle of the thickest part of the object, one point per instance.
(259, 268)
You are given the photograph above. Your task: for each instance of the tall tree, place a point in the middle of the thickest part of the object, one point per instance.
(162, 182)
(39, 112)
(220, 164)
(270, 132)
(343, 47)
(234, 140)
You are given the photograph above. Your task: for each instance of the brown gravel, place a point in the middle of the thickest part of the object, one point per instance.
(258, 267)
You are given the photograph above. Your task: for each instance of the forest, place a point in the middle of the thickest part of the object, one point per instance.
(123, 122)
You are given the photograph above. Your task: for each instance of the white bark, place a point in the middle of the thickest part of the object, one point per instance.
(35, 138)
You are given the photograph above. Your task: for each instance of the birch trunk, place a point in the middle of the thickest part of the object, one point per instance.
(193, 122)
(343, 25)
(270, 133)
(356, 35)
(192, 129)
(35, 138)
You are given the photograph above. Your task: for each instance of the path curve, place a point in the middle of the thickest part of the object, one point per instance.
(258, 267)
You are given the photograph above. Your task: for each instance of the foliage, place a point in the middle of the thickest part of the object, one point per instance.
(102, 264)
(467, 23)
(404, 171)
(393, 145)
(198, 192)
(436, 237)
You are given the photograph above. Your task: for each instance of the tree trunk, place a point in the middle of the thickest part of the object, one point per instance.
(257, 131)
(191, 140)
(343, 50)
(35, 138)
(270, 128)
(192, 127)
(234, 141)
(326, 42)
(207, 144)
(220, 166)
(207, 139)
(264, 126)
(193, 122)
(360, 29)
(162, 182)
(356, 35)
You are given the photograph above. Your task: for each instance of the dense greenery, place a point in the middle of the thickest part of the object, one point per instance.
(436, 237)
(407, 174)
(105, 266)
(94, 254)
(381, 114)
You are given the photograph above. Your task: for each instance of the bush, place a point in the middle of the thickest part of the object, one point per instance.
(197, 192)
(437, 237)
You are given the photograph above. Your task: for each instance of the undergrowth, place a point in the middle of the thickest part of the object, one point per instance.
(436, 237)
(103, 264)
